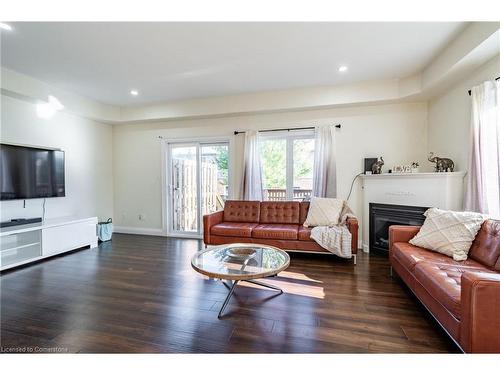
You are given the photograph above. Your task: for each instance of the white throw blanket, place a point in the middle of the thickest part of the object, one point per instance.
(335, 238)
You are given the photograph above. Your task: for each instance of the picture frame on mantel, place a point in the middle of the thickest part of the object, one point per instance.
(369, 164)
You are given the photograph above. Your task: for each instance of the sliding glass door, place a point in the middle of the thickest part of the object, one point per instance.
(198, 184)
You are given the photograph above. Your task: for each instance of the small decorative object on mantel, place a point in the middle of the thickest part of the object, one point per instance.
(442, 164)
(377, 166)
(401, 169)
(413, 168)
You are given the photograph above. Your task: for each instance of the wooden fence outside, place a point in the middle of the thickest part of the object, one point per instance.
(185, 194)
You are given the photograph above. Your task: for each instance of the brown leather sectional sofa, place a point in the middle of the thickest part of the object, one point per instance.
(273, 223)
(464, 297)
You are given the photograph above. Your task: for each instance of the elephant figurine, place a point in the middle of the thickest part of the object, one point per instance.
(377, 166)
(442, 164)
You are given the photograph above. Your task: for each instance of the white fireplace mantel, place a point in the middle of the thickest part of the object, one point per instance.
(442, 190)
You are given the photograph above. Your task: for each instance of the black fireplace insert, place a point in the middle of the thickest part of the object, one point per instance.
(384, 215)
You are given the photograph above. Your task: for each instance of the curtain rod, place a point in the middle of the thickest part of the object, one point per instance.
(470, 91)
(338, 126)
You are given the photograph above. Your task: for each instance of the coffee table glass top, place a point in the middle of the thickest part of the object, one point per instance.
(240, 261)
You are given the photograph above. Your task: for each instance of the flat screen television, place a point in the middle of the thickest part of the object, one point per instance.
(28, 172)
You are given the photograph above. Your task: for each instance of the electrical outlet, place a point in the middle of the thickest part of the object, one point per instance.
(142, 217)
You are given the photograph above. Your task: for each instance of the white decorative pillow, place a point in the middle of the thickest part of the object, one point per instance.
(324, 211)
(448, 232)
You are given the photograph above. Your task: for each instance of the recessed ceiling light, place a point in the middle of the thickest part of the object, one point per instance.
(342, 68)
(134, 92)
(5, 26)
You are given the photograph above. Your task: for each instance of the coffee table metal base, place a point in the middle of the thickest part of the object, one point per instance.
(233, 286)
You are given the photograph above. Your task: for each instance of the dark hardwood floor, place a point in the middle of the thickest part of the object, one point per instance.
(140, 294)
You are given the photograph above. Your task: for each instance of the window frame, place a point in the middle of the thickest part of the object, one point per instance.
(290, 137)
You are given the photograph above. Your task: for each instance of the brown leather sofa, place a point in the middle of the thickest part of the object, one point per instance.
(464, 297)
(271, 223)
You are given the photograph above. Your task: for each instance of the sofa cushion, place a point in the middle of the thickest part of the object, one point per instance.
(486, 246)
(448, 232)
(242, 211)
(279, 213)
(276, 231)
(410, 255)
(304, 234)
(233, 229)
(443, 282)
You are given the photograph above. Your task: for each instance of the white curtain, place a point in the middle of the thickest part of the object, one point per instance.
(324, 174)
(252, 172)
(483, 181)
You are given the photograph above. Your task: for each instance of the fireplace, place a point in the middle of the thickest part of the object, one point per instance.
(384, 215)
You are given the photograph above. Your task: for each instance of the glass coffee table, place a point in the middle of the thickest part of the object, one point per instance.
(241, 262)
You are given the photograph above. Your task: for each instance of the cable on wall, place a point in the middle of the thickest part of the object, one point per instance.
(352, 184)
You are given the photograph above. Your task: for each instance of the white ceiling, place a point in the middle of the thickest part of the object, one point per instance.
(172, 61)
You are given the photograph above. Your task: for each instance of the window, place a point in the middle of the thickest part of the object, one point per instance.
(287, 165)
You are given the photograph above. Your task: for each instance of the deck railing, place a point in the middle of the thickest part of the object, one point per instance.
(280, 194)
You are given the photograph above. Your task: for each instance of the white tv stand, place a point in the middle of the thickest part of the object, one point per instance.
(28, 243)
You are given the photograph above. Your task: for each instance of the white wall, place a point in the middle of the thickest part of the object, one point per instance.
(88, 160)
(449, 116)
(398, 132)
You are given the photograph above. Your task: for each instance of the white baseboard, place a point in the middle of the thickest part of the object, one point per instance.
(143, 231)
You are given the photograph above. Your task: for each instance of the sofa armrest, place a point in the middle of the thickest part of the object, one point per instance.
(353, 226)
(208, 222)
(480, 302)
(401, 233)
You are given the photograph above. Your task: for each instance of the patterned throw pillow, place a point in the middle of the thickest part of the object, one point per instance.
(324, 212)
(448, 232)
